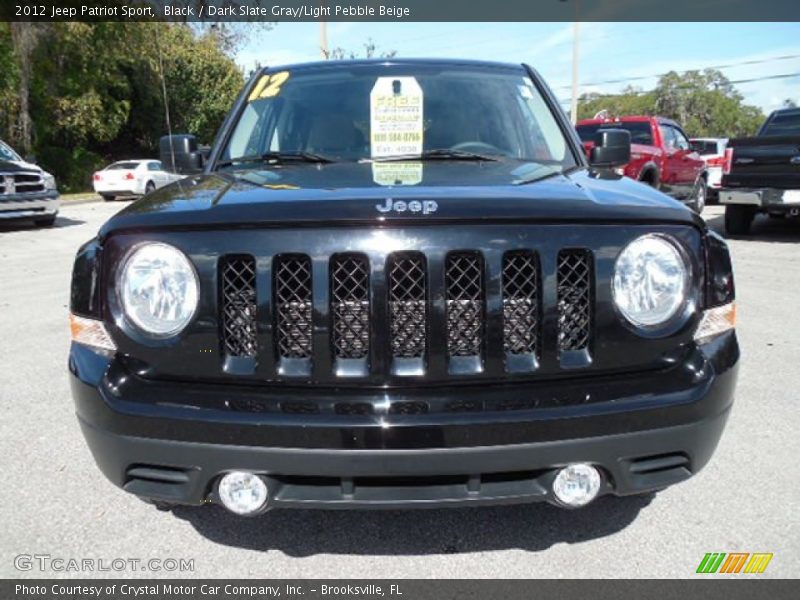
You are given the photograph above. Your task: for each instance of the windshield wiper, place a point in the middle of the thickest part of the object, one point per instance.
(537, 174)
(277, 158)
(437, 154)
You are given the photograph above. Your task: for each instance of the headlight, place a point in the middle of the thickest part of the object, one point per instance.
(158, 289)
(650, 281)
(49, 181)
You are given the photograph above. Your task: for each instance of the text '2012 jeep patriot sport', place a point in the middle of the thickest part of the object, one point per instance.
(401, 284)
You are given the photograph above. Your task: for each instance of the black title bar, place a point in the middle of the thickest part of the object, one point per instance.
(399, 10)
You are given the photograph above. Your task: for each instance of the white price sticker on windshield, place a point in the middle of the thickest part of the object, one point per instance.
(396, 126)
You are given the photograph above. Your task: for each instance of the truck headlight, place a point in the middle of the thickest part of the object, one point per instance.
(158, 289)
(49, 181)
(651, 279)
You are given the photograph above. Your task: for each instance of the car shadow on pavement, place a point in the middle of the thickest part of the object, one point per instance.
(299, 533)
(24, 225)
(764, 229)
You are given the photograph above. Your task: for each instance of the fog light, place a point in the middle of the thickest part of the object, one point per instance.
(576, 484)
(242, 493)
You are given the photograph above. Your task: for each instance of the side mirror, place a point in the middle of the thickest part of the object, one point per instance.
(612, 149)
(30, 159)
(179, 154)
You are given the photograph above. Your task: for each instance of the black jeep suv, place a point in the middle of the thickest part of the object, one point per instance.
(401, 284)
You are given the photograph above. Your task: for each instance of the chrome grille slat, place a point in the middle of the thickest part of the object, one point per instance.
(293, 306)
(238, 291)
(574, 299)
(408, 307)
(349, 276)
(520, 302)
(465, 304)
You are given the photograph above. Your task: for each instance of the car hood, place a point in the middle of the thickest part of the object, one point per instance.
(395, 193)
(12, 166)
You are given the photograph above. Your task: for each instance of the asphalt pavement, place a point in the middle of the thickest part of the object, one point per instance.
(55, 502)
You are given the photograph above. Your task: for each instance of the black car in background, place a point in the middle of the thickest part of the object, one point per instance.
(401, 284)
(761, 174)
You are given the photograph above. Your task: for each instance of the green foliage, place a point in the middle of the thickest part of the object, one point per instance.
(370, 51)
(96, 91)
(705, 103)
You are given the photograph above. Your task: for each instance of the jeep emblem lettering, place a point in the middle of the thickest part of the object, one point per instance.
(426, 207)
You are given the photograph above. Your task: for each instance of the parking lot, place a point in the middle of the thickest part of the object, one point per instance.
(55, 501)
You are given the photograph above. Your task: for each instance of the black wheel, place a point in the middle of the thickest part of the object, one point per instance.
(699, 197)
(149, 188)
(738, 219)
(107, 197)
(45, 221)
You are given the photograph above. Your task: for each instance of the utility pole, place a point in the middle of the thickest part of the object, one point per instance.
(576, 26)
(323, 34)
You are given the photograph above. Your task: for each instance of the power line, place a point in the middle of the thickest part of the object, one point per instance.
(737, 81)
(728, 66)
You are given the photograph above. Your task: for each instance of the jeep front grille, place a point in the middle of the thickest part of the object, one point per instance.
(293, 306)
(465, 312)
(574, 299)
(238, 297)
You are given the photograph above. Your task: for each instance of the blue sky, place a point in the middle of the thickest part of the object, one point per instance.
(607, 50)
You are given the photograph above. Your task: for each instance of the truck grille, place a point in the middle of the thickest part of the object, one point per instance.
(372, 320)
(21, 183)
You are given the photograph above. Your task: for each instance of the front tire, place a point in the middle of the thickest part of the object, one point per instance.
(738, 219)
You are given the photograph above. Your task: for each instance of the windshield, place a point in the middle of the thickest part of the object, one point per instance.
(122, 165)
(787, 123)
(705, 147)
(373, 112)
(7, 153)
(641, 132)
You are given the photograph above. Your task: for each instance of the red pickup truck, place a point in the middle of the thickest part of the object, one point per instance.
(660, 156)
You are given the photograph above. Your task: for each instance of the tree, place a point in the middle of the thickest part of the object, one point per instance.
(94, 91)
(631, 101)
(24, 37)
(370, 51)
(705, 103)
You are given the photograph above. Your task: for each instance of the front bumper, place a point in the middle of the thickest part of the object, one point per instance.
(169, 443)
(29, 206)
(773, 200)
